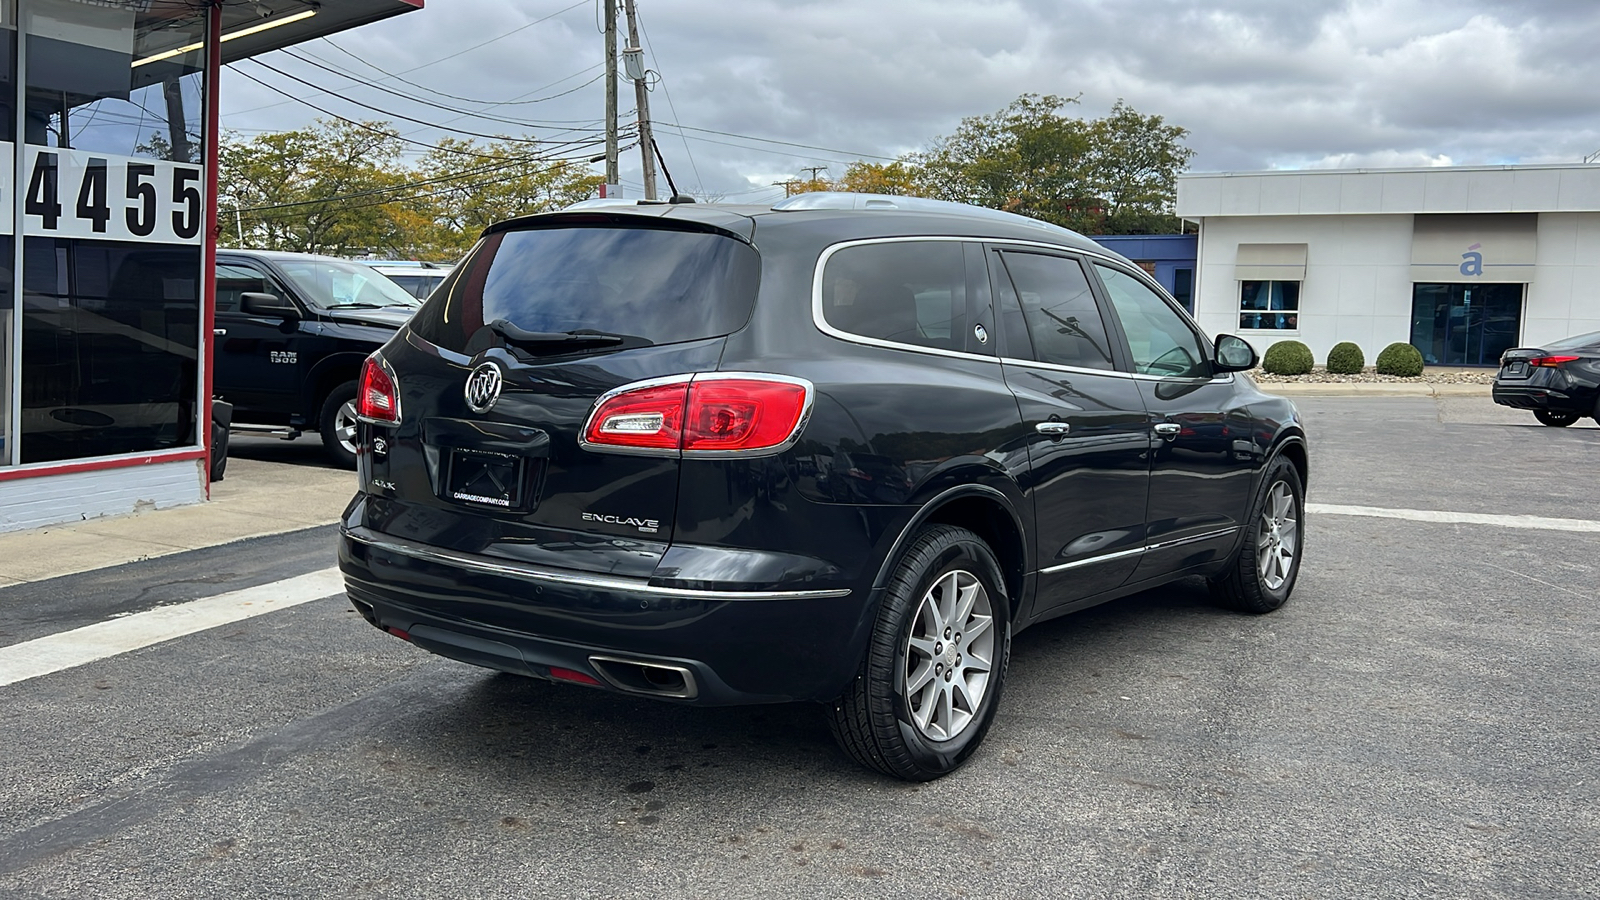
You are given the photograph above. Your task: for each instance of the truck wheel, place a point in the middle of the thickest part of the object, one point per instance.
(928, 686)
(338, 425)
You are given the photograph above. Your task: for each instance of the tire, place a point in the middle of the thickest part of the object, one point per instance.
(930, 730)
(1555, 419)
(1261, 577)
(337, 425)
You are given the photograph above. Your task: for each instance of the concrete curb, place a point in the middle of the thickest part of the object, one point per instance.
(1384, 389)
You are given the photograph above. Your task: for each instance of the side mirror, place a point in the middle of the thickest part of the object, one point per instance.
(1233, 354)
(267, 305)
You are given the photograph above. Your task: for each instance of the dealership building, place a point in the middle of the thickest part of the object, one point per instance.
(1461, 262)
(108, 129)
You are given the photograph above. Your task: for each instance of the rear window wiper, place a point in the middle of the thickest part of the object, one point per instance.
(546, 341)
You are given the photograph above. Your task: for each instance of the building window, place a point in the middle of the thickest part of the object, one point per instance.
(1269, 304)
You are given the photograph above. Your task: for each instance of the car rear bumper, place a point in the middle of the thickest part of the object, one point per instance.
(1519, 396)
(708, 647)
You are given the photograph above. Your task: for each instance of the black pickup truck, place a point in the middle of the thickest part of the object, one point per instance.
(291, 332)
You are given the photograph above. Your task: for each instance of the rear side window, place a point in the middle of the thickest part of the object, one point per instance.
(909, 292)
(655, 285)
(1058, 311)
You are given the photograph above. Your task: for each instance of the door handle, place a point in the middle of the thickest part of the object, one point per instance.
(1168, 430)
(1056, 430)
(219, 332)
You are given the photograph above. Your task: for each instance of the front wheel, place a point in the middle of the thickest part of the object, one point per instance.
(337, 424)
(927, 689)
(1555, 419)
(1261, 577)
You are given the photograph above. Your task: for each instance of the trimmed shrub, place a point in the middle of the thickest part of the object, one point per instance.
(1287, 358)
(1400, 359)
(1346, 359)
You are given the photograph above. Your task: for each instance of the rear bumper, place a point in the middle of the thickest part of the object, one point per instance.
(728, 646)
(1518, 396)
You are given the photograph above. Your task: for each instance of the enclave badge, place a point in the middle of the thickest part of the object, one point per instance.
(483, 387)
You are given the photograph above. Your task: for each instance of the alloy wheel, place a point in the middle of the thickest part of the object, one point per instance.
(949, 656)
(344, 426)
(1277, 537)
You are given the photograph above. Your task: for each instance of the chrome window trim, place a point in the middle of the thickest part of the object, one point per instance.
(538, 575)
(820, 321)
(1162, 545)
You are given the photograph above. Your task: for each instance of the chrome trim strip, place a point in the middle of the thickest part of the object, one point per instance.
(1091, 561)
(1194, 538)
(571, 579)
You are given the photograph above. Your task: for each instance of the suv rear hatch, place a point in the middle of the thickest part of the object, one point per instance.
(560, 309)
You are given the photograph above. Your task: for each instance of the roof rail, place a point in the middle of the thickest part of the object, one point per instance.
(846, 200)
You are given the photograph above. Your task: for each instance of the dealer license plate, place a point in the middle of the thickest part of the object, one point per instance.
(482, 478)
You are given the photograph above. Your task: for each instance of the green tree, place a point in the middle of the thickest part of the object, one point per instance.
(321, 189)
(476, 185)
(1133, 165)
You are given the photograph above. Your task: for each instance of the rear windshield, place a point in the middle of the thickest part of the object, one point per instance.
(1574, 342)
(333, 284)
(653, 285)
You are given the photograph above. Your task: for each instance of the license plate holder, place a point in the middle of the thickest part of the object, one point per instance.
(486, 480)
(1517, 369)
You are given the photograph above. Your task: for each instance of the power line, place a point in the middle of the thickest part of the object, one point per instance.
(366, 127)
(356, 79)
(772, 141)
(450, 56)
(378, 109)
(489, 103)
(700, 185)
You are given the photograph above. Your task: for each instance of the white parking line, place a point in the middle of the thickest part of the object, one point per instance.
(41, 656)
(1455, 518)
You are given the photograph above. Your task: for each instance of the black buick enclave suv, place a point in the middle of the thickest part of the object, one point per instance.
(841, 449)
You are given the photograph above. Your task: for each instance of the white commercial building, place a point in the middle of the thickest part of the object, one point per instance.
(1461, 262)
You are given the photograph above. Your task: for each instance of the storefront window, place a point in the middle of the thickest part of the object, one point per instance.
(112, 192)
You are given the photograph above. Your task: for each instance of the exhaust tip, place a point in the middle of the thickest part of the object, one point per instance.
(655, 679)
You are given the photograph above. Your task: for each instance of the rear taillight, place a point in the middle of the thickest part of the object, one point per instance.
(646, 418)
(1551, 362)
(703, 415)
(377, 395)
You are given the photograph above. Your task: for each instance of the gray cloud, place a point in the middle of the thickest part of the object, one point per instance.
(1258, 83)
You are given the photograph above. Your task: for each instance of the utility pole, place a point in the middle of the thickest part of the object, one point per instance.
(633, 56)
(613, 177)
(813, 170)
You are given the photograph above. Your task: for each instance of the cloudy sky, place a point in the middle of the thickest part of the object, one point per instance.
(1259, 83)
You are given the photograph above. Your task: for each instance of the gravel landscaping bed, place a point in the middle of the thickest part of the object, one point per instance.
(1320, 375)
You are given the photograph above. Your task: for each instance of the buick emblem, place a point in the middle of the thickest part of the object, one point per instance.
(483, 387)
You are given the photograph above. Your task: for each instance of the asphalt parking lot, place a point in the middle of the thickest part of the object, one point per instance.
(1419, 721)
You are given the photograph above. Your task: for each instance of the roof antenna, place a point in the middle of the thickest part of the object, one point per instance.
(676, 197)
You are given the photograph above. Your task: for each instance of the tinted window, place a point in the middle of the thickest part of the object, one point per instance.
(910, 292)
(659, 285)
(332, 284)
(234, 281)
(1592, 339)
(1058, 311)
(1160, 342)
